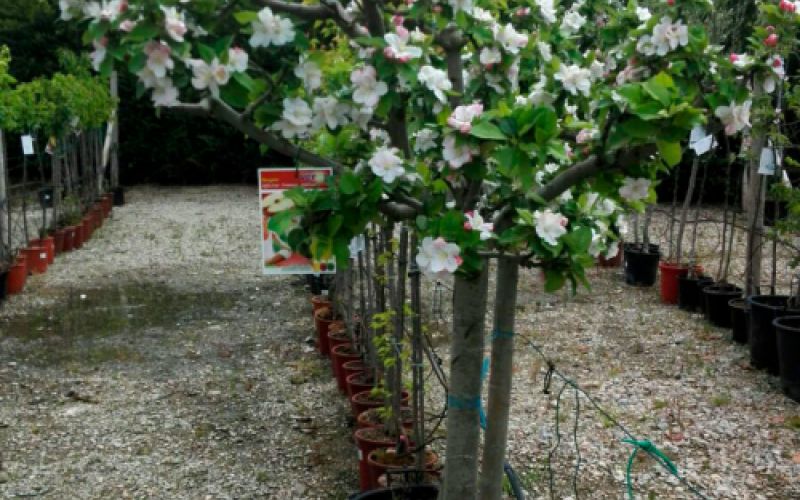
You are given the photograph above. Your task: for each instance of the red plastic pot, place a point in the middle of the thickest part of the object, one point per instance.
(340, 355)
(36, 258)
(356, 384)
(49, 246)
(365, 418)
(58, 240)
(99, 214)
(367, 441)
(669, 280)
(17, 275)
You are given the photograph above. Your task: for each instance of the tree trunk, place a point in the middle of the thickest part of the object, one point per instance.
(754, 207)
(494, 448)
(56, 181)
(115, 135)
(5, 205)
(685, 211)
(464, 398)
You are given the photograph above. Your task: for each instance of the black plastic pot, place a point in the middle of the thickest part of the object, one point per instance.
(716, 298)
(641, 265)
(787, 331)
(740, 320)
(119, 196)
(763, 345)
(690, 297)
(416, 492)
(3, 279)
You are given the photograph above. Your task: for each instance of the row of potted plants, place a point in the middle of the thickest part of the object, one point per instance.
(379, 453)
(768, 324)
(37, 256)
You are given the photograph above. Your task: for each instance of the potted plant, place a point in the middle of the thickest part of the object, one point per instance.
(641, 257)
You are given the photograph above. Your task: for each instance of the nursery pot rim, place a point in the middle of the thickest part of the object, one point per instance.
(778, 322)
(760, 301)
(726, 289)
(739, 303)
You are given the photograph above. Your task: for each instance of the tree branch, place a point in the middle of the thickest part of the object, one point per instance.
(214, 107)
(300, 10)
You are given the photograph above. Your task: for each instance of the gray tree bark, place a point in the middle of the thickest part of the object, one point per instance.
(498, 408)
(5, 206)
(754, 207)
(466, 358)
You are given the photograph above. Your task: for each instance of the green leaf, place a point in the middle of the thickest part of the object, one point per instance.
(579, 240)
(657, 89)
(137, 62)
(142, 32)
(207, 53)
(222, 45)
(349, 183)
(487, 130)
(245, 16)
(670, 151)
(245, 80)
(554, 280)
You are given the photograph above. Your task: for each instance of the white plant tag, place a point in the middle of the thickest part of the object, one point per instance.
(356, 246)
(701, 142)
(768, 161)
(27, 145)
(43, 255)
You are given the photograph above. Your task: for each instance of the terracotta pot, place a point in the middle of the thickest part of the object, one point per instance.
(368, 440)
(318, 302)
(371, 418)
(49, 246)
(97, 215)
(378, 464)
(362, 401)
(87, 228)
(322, 320)
(341, 354)
(58, 239)
(351, 367)
(358, 382)
(77, 236)
(17, 275)
(36, 258)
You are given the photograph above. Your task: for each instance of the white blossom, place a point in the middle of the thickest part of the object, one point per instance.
(295, 119)
(635, 189)
(209, 76)
(158, 58)
(572, 22)
(437, 256)
(482, 15)
(457, 5)
(368, 90)
(462, 116)
(425, 140)
(509, 38)
(271, 29)
(174, 23)
(547, 10)
(574, 79)
(310, 73)
(237, 59)
(165, 93)
(735, 117)
(379, 136)
(328, 112)
(70, 8)
(545, 50)
(105, 10)
(436, 81)
(387, 164)
(643, 13)
(490, 56)
(98, 55)
(666, 36)
(398, 48)
(550, 225)
(456, 155)
(475, 222)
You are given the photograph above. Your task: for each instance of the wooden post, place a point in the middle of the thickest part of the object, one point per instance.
(56, 180)
(115, 135)
(5, 205)
(754, 206)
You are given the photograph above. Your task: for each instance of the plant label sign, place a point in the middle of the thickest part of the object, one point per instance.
(277, 256)
(27, 145)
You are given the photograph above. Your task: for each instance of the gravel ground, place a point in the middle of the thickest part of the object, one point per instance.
(157, 363)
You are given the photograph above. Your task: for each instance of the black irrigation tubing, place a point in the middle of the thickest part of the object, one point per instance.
(579, 391)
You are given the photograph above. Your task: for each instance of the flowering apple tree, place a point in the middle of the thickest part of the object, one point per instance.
(519, 129)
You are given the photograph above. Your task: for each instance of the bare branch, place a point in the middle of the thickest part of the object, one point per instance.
(300, 10)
